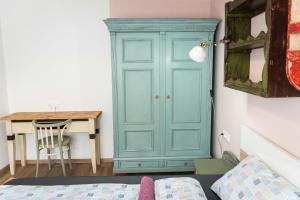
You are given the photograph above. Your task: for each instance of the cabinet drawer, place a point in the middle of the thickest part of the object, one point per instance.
(139, 164)
(180, 163)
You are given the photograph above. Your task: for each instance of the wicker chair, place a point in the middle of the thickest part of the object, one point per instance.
(51, 136)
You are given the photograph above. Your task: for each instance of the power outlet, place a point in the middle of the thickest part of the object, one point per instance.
(226, 136)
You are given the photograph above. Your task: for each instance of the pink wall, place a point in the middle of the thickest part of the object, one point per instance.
(277, 119)
(159, 8)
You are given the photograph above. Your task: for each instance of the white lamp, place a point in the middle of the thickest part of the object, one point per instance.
(198, 53)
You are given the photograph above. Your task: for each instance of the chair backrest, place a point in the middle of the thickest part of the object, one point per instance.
(45, 132)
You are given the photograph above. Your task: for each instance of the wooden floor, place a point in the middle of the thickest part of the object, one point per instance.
(79, 169)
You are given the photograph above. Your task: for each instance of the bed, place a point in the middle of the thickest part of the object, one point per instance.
(205, 180)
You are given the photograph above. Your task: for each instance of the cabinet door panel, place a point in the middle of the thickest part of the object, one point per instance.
(138, 86)
(186, 95)
(188, 87)
(138, 101)
(137, 50)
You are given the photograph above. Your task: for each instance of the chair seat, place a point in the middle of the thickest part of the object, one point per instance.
(65, 142)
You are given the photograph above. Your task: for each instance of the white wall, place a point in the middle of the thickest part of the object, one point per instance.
(277, 119)
(58, 52)
(3, 107)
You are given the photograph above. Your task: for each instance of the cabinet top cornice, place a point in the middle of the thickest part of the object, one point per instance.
(159, 24)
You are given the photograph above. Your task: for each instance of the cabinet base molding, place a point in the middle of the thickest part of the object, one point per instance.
(154, 165)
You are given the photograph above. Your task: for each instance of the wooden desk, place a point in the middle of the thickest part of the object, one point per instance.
(21, 123)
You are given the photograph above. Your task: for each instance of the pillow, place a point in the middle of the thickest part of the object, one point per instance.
(252, 179)
(146, 189)
(183, 188)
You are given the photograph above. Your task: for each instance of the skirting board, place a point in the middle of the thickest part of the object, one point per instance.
(5, 169)
(31, 162)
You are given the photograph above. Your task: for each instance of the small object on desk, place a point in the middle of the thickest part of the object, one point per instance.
(216, 166)
(21, 123)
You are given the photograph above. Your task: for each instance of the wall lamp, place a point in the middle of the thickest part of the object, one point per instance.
(199, 54)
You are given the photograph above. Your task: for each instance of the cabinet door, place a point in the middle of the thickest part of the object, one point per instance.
(138, 94)
(188, 108)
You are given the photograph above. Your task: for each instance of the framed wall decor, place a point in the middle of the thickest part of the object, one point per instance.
(293, 48)
(239, 44)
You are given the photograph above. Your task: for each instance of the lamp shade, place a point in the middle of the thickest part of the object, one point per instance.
(198, 54)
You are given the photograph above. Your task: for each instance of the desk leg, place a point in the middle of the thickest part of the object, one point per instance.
(93, 145)
(98, 155)
(11, 148)
(22, 145)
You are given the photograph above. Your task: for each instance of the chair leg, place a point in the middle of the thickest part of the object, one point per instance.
(37, 163)
(69, 156)
(62, 161)
(49, 158)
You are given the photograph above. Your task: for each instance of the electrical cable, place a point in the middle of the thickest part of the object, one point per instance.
(214, 114)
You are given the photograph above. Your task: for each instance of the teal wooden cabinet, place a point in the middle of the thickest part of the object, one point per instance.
(162, 102)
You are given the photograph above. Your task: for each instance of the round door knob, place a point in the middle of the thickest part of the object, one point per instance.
(168, 97)
(156, 97)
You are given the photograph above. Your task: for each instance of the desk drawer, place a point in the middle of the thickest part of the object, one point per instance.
(180, 163)
(139, 164)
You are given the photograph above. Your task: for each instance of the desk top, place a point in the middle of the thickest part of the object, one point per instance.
(53, 115)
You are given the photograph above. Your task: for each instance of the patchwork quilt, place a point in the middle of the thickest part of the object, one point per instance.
(170, 189)
(71, 192)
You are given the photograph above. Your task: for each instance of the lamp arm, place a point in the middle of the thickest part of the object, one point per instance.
(225, 40)
(205, 44)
